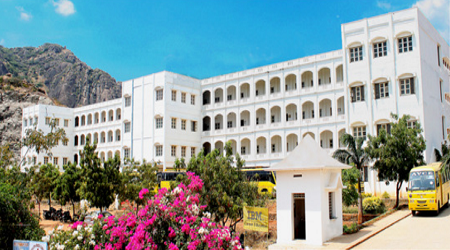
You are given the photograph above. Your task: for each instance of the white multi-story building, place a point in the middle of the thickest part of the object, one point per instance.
(393, 63)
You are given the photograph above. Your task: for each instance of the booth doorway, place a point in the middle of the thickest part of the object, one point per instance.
(299, 217)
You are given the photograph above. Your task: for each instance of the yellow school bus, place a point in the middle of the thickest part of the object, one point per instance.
(266, 180)
(164, 178)
(428, 188)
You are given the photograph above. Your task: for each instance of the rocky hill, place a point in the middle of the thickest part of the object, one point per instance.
(16, 94)
(58, 71)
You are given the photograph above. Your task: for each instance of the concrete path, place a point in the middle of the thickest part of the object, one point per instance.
(424, 231)
(352, 240)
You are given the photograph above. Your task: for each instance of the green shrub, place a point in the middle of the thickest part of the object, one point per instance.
(373, 205)
(17, 221)
(366, 195)
(349, 209)
(352, 229)
(385, 195)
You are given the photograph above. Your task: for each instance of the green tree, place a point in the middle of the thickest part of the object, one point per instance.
(18, 179)
(37, 140)
(135, 177)
(42, 182)
(354, 155)
(397, 153)
(67, 184)
(350, 180)
(226, 190)
(6, 156)
(100, 182)
(17, 221)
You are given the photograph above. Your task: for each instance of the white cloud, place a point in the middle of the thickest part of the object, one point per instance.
(384, 5)
(25, 16)
(64, 7)
(2, 42)
(438, 12)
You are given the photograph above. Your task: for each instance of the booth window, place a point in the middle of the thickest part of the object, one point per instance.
(331, 206)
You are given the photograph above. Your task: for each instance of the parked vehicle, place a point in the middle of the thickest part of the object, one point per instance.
(428, 188)
(57, 214)
(164, 178)
(48, 214)
(65, 217)
(266, 180)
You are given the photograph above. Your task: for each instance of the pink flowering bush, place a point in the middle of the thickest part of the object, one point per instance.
(171, 220)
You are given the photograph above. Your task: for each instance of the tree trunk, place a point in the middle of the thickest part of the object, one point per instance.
(39, 206)
(73, 210)
(399, 186)
(50, 200)
(101, 209)
(360, 207)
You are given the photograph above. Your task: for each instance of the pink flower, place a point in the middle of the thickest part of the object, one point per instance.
(143, 192)
(171, 232)
(75, 225)
(100, 216)
(186, 228)
(173, 246)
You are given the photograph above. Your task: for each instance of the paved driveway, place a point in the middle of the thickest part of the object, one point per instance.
(424, 231)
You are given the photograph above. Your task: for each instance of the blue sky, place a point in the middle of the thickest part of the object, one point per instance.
(201, 39)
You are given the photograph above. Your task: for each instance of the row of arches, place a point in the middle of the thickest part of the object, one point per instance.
(104, 156)
(274, 86)
(275, 144)
(103, 137)
(274, 115)
(98, 117)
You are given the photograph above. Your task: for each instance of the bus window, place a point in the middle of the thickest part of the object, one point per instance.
(271, 179)
(422, 180)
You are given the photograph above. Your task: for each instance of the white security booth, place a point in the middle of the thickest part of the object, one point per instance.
(309, 196)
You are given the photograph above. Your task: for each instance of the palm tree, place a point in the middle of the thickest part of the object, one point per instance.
(354, 154)
(444, 154)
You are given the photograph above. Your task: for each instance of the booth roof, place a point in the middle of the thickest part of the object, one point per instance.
(308, 155)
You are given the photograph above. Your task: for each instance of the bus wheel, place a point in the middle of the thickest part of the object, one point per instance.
(413, 213)
(438, 208)
(448, 200)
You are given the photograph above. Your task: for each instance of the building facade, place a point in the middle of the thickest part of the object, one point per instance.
(393, 63)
